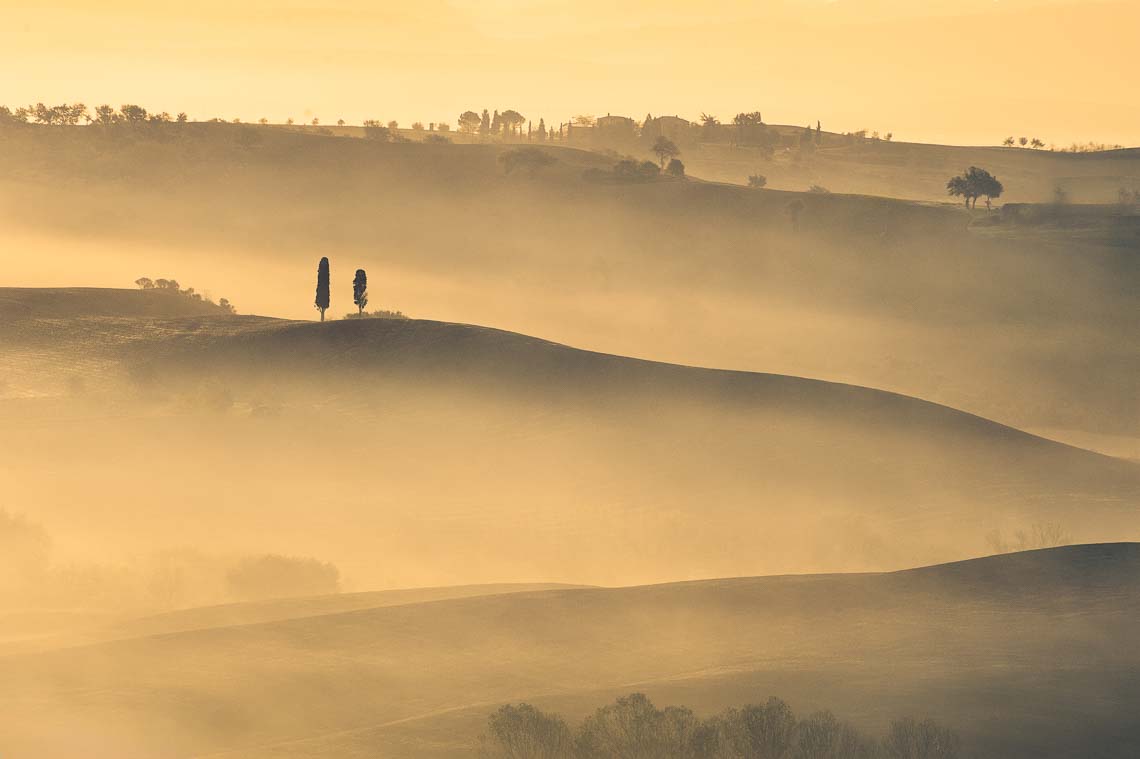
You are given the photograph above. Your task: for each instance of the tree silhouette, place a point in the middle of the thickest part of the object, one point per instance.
(973, 184)
(664, 149)
(511, 122)
(676, 169)
(322, 300)
(469, 122)
(360, 290)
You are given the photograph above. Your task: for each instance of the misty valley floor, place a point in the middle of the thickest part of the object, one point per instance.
(1027, 654)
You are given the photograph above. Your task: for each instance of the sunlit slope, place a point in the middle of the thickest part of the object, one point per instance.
(918, 171)
(253, 612)
(404, 449)
(1046, 634)
(1029, 324)
(27, 631)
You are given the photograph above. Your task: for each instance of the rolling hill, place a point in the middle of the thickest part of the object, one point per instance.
(1026, 323)
(1045, 634)
(401, 448)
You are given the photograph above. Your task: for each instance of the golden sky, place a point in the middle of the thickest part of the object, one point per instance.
(968, 71)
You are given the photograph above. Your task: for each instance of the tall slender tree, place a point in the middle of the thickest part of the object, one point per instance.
(360, 290)
(322, 301)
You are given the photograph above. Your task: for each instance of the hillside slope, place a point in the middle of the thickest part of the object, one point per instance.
(1027, 655)
(1027, 324)
(401, 448)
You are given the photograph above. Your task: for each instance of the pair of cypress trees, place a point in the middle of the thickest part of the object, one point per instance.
(359, 288)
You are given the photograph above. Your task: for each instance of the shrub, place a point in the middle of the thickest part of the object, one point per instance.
(757, 181)
(374, 130)
(675, 169)
(275, 576)
(819, 189)
(629, 170)
(437, 139)
(529, 158)
(378, 314)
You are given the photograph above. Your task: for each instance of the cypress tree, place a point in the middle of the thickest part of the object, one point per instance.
(322, 301)
(360, 290)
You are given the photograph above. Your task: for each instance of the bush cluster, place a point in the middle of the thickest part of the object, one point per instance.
(632, 728)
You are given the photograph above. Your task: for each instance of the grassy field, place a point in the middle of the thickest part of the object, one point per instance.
(1026, 655)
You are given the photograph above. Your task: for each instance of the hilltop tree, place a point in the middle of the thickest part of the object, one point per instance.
(664, 149)
(469, 122)
(1008, 142)
(709, 125)
(1022, 141)
(747, 125)
(322, 300)
(105, 114)
(485, 123)
(360, 290)
(1035, 143)
(676, 169)
(133, 114)
(541, 133)
(511, 122)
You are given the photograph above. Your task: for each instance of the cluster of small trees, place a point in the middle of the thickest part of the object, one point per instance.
(632, 727)
(632, 170)
(973, 184)
(1033, 143)
(507, 124)
(172, 286)
(70, 114)
(323, 298)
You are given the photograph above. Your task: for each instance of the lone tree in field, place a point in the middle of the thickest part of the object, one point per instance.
(322, 301)
(973, 184)
(360, 290)
(664, 149)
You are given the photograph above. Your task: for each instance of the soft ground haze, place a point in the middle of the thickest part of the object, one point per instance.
(778, 419)
(935, 71)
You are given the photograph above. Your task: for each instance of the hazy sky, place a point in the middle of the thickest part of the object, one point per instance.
(929, 70)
